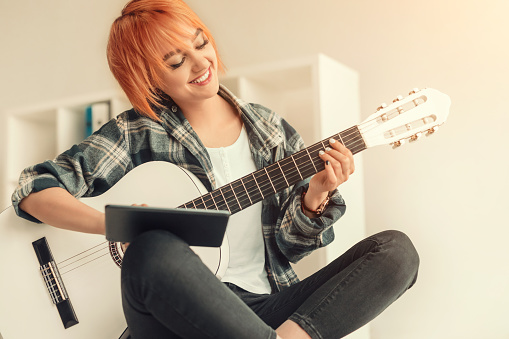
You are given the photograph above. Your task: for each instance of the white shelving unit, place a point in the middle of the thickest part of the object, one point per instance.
(40, 132)
(319, 97)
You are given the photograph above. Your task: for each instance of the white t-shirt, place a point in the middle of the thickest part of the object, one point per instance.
(246, 267)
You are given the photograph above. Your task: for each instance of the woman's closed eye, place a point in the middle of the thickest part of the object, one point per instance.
(199, 47)
(202, 46)
(177, 65)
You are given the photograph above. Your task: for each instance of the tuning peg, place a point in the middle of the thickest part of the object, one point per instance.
(398, 98)
(413, 91)
(396, 144)
(382, 106)
(432, 130)
(416, 136)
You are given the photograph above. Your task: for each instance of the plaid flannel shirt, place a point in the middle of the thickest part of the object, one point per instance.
(96, 164)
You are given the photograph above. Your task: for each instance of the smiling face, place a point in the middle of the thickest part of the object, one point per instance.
(191, 74)
(151, 36)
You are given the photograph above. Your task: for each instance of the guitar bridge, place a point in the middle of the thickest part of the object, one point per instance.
(54, 283)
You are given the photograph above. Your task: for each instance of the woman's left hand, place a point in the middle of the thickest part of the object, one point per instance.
(339, 165)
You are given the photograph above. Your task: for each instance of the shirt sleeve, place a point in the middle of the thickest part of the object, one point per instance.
(86, 169)
(298, 235)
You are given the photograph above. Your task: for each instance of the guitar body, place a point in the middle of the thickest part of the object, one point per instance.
(91, 276)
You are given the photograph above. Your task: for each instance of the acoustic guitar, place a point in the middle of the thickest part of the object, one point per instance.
(61, 284)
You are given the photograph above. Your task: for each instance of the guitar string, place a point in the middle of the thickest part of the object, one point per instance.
(90, 249)
(365, 126)
(85, 253)
(267, 183)
(371, 124)
(84, 257)
(391, 113)
(85, 263)
(305, 168)
(102, 246)
(266, 186)
(362, 128)
(297, 156)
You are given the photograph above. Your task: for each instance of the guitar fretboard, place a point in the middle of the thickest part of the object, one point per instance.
(263, 183)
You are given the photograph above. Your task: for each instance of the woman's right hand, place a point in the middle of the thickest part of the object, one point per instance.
(125, 245)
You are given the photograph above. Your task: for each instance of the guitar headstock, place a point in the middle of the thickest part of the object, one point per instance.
(406, 119)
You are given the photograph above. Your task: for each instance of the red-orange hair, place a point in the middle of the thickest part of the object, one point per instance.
(134, 47)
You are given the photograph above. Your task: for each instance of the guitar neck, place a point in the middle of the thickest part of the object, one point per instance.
(263, 183)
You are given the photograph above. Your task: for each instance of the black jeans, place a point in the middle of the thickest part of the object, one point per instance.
(168, 293)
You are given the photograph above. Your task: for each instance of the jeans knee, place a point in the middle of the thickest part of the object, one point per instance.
(144, 254)
(403, 254)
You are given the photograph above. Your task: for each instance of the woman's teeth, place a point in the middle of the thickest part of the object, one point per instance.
(202, 78)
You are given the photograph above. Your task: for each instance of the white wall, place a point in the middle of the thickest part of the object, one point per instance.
(446, 192)
(51, 50)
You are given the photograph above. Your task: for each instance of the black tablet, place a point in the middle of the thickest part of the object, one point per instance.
(198, 227)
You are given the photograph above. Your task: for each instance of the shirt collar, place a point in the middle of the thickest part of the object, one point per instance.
(260, 124)
(262, 130)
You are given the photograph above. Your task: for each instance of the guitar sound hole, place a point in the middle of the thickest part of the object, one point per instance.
(116, 252)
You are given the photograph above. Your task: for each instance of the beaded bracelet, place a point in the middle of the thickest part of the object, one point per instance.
(320, 208)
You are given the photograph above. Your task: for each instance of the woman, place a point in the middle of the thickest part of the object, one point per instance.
(166, 61)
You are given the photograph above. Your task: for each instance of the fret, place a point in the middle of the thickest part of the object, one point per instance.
(236, 198)
(340, 138)
(347, 138)
(283, 173)
(297, 167)
(316, 148)
(225, 201)
(301, 158)
(203, 201)
(264, 183)
(258, 185)
(231, 198)
(277, 177)
(289, 168)
(242, 195)
(213, 205)
(219, 202)
(323, 144)
(247, 192)
(308, 170)
(252, 189)
(213, 200)
(200, 203)
(309, 155)
(270, 180)
(318, 165)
